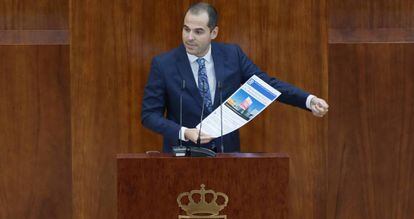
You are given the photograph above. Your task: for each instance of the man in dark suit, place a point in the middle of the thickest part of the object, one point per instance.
(194, 70)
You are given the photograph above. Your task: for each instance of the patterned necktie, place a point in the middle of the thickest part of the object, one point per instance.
(203, 86)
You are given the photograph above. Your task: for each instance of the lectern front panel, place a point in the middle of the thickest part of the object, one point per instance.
(255, 184)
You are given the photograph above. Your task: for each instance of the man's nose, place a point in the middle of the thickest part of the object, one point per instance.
(190, 36)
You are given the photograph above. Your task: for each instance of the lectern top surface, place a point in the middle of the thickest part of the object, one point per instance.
(155, 154)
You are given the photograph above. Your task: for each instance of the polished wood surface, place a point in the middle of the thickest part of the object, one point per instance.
(35, 144)
(110, 56)
(370, 152)
(35, 130)
(110, 60)
(377, 35)
(371, 141)
(371, 21)
(34, 15)
(34, 37)
(150, 155)
(256, 185)
(371, 14)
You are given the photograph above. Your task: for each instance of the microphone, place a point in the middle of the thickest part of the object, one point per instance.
(180, 150)
(202, 115)
(181, 111)
(189, 151)
(220, 87)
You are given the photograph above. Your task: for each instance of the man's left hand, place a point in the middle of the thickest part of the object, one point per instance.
(318, 106)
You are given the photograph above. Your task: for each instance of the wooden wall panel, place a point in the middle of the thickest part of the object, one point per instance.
(32, 15)
(370, 154)
(34, 37)
(371, 126)
(371, 21)
(371, 14)
(110, 58)
(35, 155)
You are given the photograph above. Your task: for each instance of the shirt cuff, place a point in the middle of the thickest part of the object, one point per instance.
(308, 101)
(181, 134)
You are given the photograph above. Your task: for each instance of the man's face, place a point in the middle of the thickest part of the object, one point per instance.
(196, 34)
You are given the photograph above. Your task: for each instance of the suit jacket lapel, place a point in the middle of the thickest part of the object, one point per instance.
(184, 68)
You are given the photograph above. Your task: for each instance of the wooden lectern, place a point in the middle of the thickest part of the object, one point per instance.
(256, 185)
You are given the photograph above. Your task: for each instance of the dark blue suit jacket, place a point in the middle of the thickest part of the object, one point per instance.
(161, 101)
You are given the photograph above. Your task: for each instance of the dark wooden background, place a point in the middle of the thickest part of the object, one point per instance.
(72, 75)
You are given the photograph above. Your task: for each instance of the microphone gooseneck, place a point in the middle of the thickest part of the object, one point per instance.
(188, 151)
(201, 116)
(220, 87)
(181, 111)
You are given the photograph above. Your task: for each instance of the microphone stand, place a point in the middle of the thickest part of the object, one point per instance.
(201, 117)
(189, 151)
(181, 111)
(181, 150)
(200, 151)
(220, 87)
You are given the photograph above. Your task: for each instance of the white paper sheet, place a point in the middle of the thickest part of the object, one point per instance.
(240, 108)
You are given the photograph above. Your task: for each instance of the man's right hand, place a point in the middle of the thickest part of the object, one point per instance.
(192, 135)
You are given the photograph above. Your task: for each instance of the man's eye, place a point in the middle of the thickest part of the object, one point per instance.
(198, 32)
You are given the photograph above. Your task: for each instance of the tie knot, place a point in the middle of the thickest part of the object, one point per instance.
(201, 61)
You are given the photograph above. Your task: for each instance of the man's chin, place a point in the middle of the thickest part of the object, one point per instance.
(191, 51)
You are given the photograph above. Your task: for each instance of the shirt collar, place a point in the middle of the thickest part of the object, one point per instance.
(207, 57)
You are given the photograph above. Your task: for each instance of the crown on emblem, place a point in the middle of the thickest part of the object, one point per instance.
(202, 207)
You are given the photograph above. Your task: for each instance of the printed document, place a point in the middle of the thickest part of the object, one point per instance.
(240, 108)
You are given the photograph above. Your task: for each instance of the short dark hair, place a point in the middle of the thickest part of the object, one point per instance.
(200, 7)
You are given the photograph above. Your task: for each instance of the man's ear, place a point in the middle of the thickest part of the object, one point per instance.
(214, 33)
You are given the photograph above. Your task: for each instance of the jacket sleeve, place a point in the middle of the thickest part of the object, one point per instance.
(290, 94)
(154, 106)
